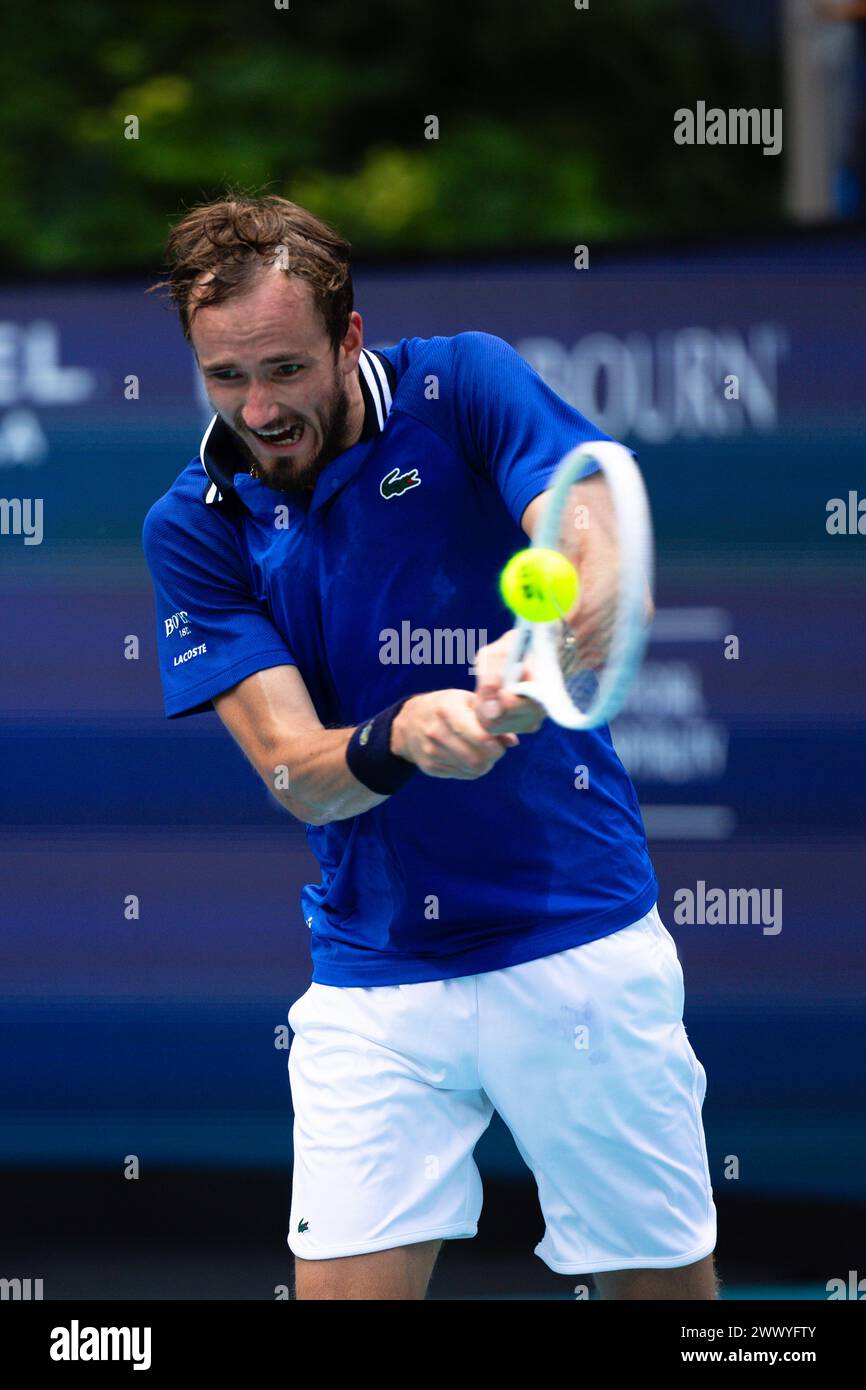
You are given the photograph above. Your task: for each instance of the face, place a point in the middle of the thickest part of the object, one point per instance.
(270, 372)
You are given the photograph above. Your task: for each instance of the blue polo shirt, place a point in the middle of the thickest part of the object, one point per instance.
(383, 583)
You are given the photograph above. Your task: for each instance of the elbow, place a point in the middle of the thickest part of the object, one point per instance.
(306, 814)
(311, 816)
(319, 815)
(303, 811)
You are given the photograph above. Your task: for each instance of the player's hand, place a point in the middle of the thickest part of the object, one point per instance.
(497, 711)
(441, 734)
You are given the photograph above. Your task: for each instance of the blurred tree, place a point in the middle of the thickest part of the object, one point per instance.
(555, 124)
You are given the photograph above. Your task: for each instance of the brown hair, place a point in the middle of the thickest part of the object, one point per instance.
(236, 236)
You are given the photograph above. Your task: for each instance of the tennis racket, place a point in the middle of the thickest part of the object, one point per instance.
(582, 680)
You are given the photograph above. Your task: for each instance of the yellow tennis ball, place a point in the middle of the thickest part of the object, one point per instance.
(539, 584)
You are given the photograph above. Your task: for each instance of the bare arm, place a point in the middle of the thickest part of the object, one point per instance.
(271, 716)
(595, 537)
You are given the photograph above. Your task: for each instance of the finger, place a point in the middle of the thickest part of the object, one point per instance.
(488, 693)
(491, 703)
(490, 668)
(444, 765)
(463, 742)
(517, 713)
(464, 767)
(474, 747)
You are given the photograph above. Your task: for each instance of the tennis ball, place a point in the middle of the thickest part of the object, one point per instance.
(539, 584)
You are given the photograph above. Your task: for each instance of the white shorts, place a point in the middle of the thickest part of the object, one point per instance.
(584, 1055)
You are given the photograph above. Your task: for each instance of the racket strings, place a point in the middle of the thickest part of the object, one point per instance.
(585, 634)
(581, 665)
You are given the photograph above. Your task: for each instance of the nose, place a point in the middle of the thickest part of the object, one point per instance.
(259, 409)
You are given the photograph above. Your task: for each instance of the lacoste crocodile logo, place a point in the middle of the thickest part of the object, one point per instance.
(302, 1225)
(395, 483)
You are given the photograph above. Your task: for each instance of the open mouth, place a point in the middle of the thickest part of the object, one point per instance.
(280, 438)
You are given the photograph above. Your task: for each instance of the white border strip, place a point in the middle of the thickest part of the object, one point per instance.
(213, 493)
(375, 389)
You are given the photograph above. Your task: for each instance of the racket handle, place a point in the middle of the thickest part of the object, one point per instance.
(517, 655)
(527, 688)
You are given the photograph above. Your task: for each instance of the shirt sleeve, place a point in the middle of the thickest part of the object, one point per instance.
(211, 629)
(516, 426)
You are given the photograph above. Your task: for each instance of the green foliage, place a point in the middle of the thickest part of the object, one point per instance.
(555, 125)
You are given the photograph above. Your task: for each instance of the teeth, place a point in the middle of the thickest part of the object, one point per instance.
(293, 433)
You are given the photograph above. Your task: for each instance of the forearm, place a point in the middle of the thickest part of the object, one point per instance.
(436, 733)
(313, 780)
(597, 541)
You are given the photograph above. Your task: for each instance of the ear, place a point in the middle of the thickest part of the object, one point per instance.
(353, 342)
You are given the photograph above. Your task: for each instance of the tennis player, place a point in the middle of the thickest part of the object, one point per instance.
(485, 933)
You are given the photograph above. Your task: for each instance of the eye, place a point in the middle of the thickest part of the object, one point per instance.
(228, 374)
(288, 368)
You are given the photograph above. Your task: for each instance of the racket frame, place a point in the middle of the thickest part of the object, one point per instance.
(635, 540)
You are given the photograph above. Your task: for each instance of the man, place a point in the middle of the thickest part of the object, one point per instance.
(485, 932)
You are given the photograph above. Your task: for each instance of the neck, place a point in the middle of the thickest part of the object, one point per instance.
(355, 419)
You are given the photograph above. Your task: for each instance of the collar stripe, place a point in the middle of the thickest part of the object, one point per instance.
(374, 386)
(379, 369)
(213, 493)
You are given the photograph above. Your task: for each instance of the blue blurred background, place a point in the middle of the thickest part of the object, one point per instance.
(160, 1035)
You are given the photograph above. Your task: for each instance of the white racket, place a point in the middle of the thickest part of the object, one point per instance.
(583, 683)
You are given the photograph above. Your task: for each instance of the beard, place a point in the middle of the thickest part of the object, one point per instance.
(285, 474)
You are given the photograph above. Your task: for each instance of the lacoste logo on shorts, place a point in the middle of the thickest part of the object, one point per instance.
(302, 1226)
